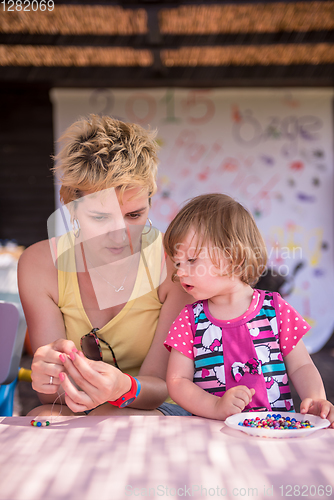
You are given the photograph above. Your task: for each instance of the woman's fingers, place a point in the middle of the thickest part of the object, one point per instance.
(46, 366)
(100, 381)
(76, 400)
(42, 384)
(50, 353)
(75, 407)
(51, 384)
(92, 391)
(79, 370)
(45, 376)
(63, 345)
(96, 373)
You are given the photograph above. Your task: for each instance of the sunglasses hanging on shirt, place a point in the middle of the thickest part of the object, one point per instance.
(91, 347)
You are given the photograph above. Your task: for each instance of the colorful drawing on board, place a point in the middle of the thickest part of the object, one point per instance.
(248, 131)
(297, 166)
(236, 115)
(308, 198)
(187, 146)
(289, 150)
(141, 108)
(102, 101)
(165, 208)
(229, 164)
(185, 172)
(165, 184)
(195, 152)
(309, 135)
(318, 153)
(290, 101)
(198, 107)
(273, 131)
(212, 153)
(278, 196)
(268, 160)
(204, 174)
(312, 156)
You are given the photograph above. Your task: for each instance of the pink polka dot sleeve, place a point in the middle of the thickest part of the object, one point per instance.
(292, 326)
(180, 335)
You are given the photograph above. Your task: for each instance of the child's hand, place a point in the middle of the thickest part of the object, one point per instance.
(234, 401)
(319, 407)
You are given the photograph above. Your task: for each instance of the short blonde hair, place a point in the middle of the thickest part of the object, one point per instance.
(227, 228)
(100, 152)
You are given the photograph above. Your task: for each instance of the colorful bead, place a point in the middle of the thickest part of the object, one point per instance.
(34, 423)
(276, 422)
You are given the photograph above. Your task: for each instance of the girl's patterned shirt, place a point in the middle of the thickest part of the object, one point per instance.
(248, 350)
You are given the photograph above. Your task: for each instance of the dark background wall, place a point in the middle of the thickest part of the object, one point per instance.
(26, 147)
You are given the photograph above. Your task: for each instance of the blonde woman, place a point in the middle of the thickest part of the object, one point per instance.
(99, 300)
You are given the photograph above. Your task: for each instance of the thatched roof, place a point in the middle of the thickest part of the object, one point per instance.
(257, 18)
(250, 55)
(152, 36)
(76, 20)
(21, 55)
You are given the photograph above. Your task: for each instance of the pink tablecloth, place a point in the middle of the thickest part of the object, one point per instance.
(97, 458)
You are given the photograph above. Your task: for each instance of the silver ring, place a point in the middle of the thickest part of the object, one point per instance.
(51, 381)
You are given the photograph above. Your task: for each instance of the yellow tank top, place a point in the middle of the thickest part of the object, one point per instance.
(129, 333)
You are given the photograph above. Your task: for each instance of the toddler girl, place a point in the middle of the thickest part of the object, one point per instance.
(235, 347)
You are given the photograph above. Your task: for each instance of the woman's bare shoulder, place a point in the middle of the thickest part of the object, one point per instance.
(36, 270)
(38, 253)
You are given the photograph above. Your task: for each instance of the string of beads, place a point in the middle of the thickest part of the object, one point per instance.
(46, 423)
(37, 423)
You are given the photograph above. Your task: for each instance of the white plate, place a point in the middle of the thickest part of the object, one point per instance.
(318, 422)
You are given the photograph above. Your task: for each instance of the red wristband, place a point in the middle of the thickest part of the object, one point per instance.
(129, 396)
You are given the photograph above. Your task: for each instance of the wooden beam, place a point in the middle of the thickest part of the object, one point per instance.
(305, 75)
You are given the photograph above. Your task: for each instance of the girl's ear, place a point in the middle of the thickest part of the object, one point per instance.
(222, 261)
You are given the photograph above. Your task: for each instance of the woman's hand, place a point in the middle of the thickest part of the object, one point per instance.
(46, 364)
(234, 401)
(99, 381)
(320, 407)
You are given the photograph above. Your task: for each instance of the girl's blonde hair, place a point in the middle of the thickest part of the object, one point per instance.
(100, 152)
(227, 229)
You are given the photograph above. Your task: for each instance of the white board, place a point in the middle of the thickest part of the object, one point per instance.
(271, 149)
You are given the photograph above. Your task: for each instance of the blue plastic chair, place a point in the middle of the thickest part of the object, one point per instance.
(12, 334)
(7, 399)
